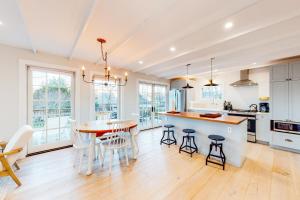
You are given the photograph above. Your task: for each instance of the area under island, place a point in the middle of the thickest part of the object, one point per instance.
(233, 128)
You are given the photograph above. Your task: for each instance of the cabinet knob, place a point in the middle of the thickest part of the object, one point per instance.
(288, 140)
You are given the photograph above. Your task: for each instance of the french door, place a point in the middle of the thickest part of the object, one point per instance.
(152, 99)
(50, 106)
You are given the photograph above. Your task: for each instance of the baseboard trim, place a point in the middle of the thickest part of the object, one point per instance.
(47, 151)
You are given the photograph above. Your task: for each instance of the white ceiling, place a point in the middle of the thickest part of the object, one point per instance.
(144, 30)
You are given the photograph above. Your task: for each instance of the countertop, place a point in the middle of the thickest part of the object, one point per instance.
(192, 115)
(221, 111)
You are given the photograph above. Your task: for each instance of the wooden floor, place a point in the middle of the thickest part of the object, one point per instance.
(162, 173)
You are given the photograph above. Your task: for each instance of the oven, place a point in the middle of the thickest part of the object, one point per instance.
(251, 124)
(285, 126)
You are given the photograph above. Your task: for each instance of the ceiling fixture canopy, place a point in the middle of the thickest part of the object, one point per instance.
(211, 83)
(188, 86)
(117, 81)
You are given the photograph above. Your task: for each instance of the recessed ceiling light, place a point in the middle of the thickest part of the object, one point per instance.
(228, 25)
(141, 62)
(172, 49)
(1, 23)
(254, 63)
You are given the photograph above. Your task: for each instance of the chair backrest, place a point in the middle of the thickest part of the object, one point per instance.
(19, 140)
(76, 136)
(118, 136)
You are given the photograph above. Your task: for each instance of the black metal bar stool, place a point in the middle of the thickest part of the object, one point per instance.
(186, 145)
(168, 141)
(214, 143)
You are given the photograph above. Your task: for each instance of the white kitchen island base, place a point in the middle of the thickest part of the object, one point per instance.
(235, 135)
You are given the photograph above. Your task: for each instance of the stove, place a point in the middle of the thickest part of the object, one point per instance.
(251, 116)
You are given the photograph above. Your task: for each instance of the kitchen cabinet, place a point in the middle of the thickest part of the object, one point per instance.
(263, 133)
(280, 72)
(286, 140)
(294, 113)
(294, 71)
(280, 100)
(285, 95)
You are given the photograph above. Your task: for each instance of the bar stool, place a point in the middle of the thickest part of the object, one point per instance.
(168, 141)
(186, 145)
(214, 143)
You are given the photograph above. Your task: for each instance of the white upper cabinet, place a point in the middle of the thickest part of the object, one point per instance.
(285, 89)
(280, 72)
(294, 71)
(280, 100)
(294, 100)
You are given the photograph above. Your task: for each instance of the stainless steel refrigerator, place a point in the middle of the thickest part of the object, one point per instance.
(177, 100)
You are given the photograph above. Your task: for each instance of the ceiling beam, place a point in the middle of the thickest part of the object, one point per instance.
(25, 27)
(227, 52)
(291, 16)
(83, 27)
(131, 34)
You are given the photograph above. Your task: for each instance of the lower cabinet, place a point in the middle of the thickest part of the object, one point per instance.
(263, 133)
(286, 140)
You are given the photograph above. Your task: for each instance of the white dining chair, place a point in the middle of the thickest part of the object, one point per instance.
(81, 144)
(13, 151)
(117, 140)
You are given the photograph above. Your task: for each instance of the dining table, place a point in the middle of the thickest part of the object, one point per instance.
(99, 128)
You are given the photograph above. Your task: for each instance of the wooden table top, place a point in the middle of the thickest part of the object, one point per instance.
(101, 127)
(223, 119)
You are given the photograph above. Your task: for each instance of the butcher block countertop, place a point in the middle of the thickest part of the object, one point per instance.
(223, 119)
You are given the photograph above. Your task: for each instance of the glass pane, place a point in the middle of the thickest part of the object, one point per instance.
(38, 119)
(65, 134)
(65, 93)
(65, 115)
(53, 120)
(39, 105)
(53, 93)
(53, 105)
(53, 136)
(65, 105)
(66, 81)
(38, 138)
(38, 78)
(38, 92)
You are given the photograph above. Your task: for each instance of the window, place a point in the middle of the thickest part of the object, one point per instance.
(50, 102)
(107, 100)
(212, 93)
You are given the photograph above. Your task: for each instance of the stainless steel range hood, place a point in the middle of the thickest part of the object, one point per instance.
(244, 80)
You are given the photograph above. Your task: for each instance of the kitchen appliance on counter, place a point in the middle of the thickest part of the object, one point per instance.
(251, 122)
(264, 107)
(285, 127)
(227, 105)
(253, 108)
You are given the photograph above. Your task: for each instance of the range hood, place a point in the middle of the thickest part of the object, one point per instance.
(244, 80)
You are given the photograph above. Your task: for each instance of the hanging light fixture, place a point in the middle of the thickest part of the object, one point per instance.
(211, 83)
(188, 86)
(109, 79)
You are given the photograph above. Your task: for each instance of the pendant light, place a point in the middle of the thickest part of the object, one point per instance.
(188, 86)
(211, 83)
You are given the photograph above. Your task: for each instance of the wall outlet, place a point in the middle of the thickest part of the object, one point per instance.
(229, 129)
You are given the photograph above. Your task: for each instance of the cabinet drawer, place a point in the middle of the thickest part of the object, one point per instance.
(291, 141)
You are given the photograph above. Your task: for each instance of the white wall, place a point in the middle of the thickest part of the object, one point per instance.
(241, 97)
(9, 86)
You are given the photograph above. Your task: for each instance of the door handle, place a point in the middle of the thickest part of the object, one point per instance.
(288, 140)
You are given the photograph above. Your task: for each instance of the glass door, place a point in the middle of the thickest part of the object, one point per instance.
(152, 99)
(50, 106)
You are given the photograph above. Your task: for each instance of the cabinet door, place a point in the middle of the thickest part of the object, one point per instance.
(280, 100)
(280, 72)
(263, 132)
(295, 100)
(294, 71)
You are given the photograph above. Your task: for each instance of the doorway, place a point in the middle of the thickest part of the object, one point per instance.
(152, 99)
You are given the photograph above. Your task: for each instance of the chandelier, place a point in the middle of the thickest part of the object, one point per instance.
(109, 79)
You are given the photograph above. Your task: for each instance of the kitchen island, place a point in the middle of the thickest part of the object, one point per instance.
(233, 128)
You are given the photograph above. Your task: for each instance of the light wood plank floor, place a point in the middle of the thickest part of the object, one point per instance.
(162, 173)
